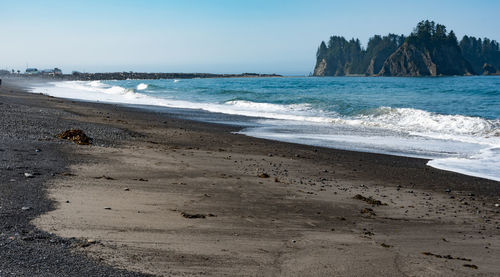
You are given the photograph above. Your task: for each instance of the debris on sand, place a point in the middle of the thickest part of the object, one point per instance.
(369, 200)
(28, 175)
(264, 175)
(471, 266)
(386, 245)
(369, 233)
(368, 211)
(85, 243)
(75, 135)
(104, 177)
(192, 216)
(67, 174)
(449, 257)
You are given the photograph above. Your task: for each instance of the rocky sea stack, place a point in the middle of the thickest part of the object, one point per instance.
(428, 51)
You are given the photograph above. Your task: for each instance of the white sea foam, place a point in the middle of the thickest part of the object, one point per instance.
(412, 121)
(268, 106)
(415, 120)
(466, 158)
(142, 86)
(485, 164)
(438, 130)
(98, 91)
(297, 112)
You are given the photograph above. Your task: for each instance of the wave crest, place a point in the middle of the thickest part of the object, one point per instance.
(414, 120)
(142, 86)
(269, 107)
(408, 120)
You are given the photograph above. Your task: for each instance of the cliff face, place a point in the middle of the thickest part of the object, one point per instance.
(489, 69)
(411, 60)
(408, 61)
(320, 68)
(377, 63)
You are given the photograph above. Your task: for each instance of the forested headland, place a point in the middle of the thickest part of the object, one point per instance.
(430, 50)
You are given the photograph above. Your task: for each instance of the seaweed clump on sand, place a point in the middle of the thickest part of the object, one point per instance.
(75, 135)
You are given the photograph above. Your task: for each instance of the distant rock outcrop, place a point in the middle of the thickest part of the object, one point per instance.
(429, 51)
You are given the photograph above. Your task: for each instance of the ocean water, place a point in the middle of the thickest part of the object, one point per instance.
(454, 121)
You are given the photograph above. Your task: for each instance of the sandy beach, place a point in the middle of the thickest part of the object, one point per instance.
(155, 194)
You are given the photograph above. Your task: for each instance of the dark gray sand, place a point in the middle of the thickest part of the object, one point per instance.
(167, 196)
(27, 145)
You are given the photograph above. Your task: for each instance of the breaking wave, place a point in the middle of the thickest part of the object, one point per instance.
(142, 86)
(406, 122)
(412, 121)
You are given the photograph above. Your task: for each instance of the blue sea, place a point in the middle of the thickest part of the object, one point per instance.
(454, 121)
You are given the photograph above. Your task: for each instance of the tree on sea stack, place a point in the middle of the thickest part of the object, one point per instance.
(440, 32)
(322, 51)
(452, 38)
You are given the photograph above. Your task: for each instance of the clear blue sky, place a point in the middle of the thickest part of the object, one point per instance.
(212, 35)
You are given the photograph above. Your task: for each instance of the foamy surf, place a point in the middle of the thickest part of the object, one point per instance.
(454, 142)
(486, 164)
(142, 86)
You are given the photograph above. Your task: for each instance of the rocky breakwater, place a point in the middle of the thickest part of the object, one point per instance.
(77, 76)
(139, 75)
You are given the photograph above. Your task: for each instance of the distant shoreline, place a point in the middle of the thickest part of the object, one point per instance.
(155, 76)
(134, 75)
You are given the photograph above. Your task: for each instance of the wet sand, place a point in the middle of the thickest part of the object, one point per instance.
(166, 196)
